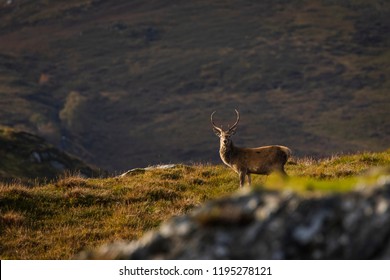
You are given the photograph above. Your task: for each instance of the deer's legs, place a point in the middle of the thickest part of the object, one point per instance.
(282, 172)
(249, 179)
(242, 175)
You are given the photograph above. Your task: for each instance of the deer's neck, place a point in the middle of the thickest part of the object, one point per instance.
(226, 152)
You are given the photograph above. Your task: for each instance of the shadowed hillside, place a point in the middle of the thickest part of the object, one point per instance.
(130, 83)
(29, 159)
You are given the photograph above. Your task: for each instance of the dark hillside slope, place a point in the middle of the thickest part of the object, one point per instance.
(131, 83)
(25, 157)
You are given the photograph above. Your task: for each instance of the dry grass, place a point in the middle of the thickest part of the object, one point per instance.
(57, 220)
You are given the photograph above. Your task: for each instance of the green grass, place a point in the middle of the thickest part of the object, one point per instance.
(57, 220)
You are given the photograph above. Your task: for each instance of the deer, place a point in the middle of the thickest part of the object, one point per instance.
(246, 161)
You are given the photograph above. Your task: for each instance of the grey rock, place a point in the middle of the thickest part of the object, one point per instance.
(136, 171)
(58, 165)
(35, 157)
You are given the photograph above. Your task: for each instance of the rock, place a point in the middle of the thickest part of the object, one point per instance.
(257, 224)
(58, 165)
(163, 166)
(133, 172)
(136, 171)
(35, 157)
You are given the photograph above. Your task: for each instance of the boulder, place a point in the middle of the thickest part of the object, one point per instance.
(136, 171)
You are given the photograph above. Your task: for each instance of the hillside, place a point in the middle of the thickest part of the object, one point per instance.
(59, 219)
(126, 84)
(30, 159)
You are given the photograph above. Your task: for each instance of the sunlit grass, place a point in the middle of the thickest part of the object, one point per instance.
(57, 220)
(310, 185)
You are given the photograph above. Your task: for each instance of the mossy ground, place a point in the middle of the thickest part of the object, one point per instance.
(57, 220)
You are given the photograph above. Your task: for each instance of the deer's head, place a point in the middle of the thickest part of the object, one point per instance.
(225, 135)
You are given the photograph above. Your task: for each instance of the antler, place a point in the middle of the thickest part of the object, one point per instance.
(214, 125)
(231, 129)
(235, 124)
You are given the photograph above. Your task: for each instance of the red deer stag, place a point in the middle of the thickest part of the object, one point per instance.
(246, 161)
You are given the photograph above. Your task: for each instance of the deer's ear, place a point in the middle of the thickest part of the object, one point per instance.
(217, 132)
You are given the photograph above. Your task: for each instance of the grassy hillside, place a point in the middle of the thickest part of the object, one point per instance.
(131, 83)
(57, 220)
(27, 158)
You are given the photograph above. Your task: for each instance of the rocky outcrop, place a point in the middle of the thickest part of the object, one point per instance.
(26, 157)
(136, 171)
(272, 225)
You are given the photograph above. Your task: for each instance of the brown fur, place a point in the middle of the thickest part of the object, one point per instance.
(246, 161)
